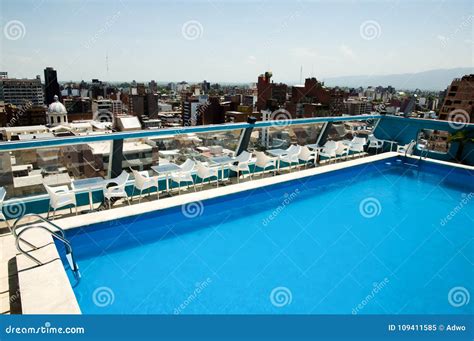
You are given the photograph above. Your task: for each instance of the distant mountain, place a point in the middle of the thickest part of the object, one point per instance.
(428, 80)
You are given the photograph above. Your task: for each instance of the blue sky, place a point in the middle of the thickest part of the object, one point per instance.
(232, 41)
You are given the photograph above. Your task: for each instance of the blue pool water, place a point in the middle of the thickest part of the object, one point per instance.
(382, 238)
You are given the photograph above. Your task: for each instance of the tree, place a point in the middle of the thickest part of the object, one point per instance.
(462, 137)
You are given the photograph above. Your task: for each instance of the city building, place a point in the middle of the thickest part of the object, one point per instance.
(189, 111)
(144, 104)
(57, 114)
(240, 117)
(459, 99)
(164, 107)
(102, 111)
(313, 99)
(205, 86)
(20, 91)
(117, 107)
(78, 108)
(51, 85)
(269, 93)
(153, 86)
(22, 115)
(128, 123)
(357, 106)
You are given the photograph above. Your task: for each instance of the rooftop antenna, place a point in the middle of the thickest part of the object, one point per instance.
(107, 64)
(301, 74)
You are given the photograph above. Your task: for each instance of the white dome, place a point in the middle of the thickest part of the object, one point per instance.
(57, 107)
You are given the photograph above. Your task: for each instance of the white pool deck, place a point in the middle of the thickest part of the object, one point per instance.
(46, 289)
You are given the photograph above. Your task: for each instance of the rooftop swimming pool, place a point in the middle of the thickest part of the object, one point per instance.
(379, 238)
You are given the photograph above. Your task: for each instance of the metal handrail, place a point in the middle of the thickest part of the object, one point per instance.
(64, 240)
(14, 227)
(69, 140)
(59, 234)
(67, 244)
(411, 147)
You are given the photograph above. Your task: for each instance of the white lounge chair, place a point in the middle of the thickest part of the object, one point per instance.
(306, 155)
(206, 173)
(115, 188)
(342, 151)
(3, 194)
(184, 174)
(292, 156)
(264, 161)
(59, 197)
(329, 150)
(375, 143)
(144, 182)
(357, 145)
(405, 148)
(243, 160)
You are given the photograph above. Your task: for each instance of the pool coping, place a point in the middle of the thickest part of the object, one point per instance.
(30, 274)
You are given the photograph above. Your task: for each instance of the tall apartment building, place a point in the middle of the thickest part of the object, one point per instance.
(189, 115)
(102, 110)
(51, 85)
(117, 107)
(357, 107)
(192, 110)
(459, 96)
(153, 86)
(144, 105)
(22, 91)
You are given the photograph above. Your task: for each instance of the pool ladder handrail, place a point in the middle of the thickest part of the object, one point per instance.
(59, 234)
(410, 148)
(424, 153)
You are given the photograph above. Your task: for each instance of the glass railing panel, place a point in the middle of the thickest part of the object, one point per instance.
(142, 154)
(26, 171)
(282, 136)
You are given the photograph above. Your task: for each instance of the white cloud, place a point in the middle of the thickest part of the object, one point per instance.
(303, 52)
(346, 51)
(442, 38)
(252, 60)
